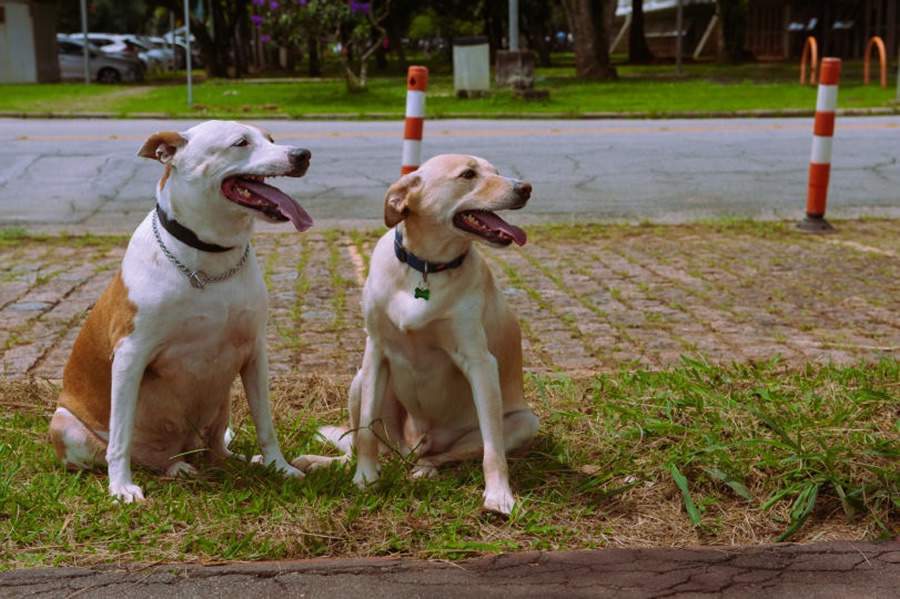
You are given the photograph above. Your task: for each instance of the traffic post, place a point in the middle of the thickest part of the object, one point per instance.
(416, 86)
(820, 160)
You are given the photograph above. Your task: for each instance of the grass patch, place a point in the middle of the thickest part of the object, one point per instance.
(15, 236)
(694, 454)
(339, 282)
(650, 89)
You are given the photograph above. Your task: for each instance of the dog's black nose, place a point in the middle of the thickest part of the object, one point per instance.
(300, 156)
(522, 189)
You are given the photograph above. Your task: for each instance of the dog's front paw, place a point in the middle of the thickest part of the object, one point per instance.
(290, 471)
(280, 464)
(126, 492)
(500, 501)
(365, 475)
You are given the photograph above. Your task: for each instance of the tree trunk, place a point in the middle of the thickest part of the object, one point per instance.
(240, 24)
(638, 51)
(381, 61)
(354, 84)
(542, 46)
(588, 21)
(396, 40)
(207, 49)
(493, 30)
(312, 49)
(240, 56)
(294, 56)
(220, 38)
(535, 31)
(732, 30)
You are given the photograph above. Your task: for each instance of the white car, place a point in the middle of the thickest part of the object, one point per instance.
(103, 67)
(118, 44)
(167, 52)
(181, 47)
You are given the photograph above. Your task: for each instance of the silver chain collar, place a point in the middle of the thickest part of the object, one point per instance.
(198, 278)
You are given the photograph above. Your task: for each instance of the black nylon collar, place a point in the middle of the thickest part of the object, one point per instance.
(185, 235)
(423, 266)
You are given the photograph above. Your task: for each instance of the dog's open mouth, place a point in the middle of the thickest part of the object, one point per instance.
(250, 191)
(489, 227)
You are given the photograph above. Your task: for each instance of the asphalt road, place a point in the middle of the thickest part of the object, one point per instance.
(84, 175)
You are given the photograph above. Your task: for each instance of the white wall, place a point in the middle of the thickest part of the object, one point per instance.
(17, 60)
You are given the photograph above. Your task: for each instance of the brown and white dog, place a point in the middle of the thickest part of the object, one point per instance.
(442, 371)
(149, 376)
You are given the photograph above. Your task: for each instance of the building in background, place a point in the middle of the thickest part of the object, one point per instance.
(776, 29)
(28, 52)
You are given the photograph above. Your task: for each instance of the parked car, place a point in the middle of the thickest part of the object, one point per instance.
(103, 67)
(180, 42)
(169, 52)
(119, 45)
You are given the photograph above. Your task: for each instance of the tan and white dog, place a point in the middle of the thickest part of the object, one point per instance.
(442, 371)
(149, 376)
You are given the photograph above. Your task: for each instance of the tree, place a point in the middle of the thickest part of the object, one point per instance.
(355, 27)
(398, 24)
(590, 26)
(638, 51)
(103, 15)
(293, 27)
(361, 32)
(537, 26)
(733, 19)
(221, 37)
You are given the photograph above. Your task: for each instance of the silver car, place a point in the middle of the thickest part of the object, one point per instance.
(103, 68)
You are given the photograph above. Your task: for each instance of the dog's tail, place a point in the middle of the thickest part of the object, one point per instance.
(338, 436)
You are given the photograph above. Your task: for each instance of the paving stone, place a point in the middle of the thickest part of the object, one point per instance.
(642, 297)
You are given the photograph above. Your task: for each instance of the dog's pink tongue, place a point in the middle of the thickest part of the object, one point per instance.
(498, 224)
(286, 204)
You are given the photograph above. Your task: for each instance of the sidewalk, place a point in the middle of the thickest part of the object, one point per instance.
(825, 570)
(589, 299)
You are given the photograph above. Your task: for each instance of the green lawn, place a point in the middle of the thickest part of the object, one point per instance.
(695, 454)
(653, 89)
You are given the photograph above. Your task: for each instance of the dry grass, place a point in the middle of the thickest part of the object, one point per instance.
(751, 441)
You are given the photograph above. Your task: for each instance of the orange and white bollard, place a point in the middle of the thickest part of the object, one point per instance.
(820, 161)
(416, 86)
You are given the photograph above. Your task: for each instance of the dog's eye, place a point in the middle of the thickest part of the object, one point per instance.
(241, 143)
(468, 174)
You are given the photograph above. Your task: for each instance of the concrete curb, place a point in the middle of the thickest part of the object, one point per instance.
(837, 569)
(382, 116)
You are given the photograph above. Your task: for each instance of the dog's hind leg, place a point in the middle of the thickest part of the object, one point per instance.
(519, 428)
(76, 445)
(221, 436)
(339, 437)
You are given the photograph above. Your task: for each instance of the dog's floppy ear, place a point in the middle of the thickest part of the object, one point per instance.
(396, 201)
(162, 146)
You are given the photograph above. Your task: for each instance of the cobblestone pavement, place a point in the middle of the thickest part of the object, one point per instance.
(593, 298)
(822, 570)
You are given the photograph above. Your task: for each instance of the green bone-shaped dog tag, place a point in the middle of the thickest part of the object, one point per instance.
(424, 294)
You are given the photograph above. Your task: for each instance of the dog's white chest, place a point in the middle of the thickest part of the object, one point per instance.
(211, 342)
(198, 334)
